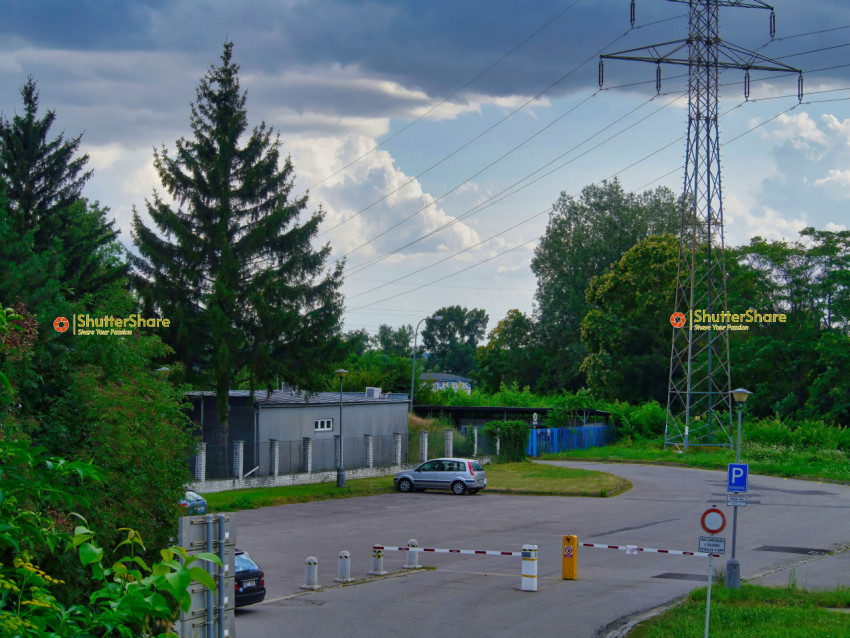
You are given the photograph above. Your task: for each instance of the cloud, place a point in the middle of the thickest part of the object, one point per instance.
(742, 222)
(801, 130)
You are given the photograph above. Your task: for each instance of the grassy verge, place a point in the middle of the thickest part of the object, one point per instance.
(788, 461)
(512, 478)
(754, 610)
(533, 478)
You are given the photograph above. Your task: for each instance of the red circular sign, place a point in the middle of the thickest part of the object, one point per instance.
(713, 520)
(677, 319)
(60, 324)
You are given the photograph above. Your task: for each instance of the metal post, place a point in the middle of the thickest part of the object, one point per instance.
(377, 562)
(221, 574)
(311, 575)
(412, 557)
(340, 470)
(208, 522)
(708, 597)
(344, 568)
(413, 372)
(733, 565)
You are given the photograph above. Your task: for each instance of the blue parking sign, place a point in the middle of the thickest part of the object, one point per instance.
(736, 480)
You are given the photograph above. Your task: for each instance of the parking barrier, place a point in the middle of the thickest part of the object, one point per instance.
(344, 568)
(634, 548)
(311, 577)
(412, 557)
(528, 555)
(378, 561)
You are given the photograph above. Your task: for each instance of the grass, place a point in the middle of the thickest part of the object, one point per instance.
(789, 461)
(511, 478)
(754, 610)
(534, 478)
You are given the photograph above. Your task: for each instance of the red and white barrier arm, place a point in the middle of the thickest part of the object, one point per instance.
(446, 551)
(649, 550)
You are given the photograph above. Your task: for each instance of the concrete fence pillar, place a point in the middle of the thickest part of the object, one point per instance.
(238, 458)
(498, 445)
(369, 457)
(337, 447)
(474, 441)
(450, 438)
(274, 457)
(423, 446)
(201, 463)
(307, 450)
(397, 446)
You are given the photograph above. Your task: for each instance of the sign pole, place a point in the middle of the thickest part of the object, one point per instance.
(708, 597)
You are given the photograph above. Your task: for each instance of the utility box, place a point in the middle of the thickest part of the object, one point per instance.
(569, 566)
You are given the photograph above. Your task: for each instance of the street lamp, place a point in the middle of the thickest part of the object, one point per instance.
(733, 566)
(413, 373)
(340, 471)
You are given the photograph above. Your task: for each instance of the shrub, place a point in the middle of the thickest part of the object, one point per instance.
(513, 438)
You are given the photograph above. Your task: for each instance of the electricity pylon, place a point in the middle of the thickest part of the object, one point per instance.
(699, 405)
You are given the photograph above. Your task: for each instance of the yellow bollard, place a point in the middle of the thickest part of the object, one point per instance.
(569, 567)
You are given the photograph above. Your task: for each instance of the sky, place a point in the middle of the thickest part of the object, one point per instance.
(436, 136)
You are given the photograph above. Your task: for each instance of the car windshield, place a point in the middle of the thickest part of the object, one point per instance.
(192, 496)
(244, 563)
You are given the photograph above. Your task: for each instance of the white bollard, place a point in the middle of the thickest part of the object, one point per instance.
(529, 568)
(344, 568)
(412, 557)
(311, 578)
(377, 562)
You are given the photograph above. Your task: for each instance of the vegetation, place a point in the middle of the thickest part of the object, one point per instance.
(249, 297)
(754, 610)
(513, 438)
(453, 341)
(535, 478)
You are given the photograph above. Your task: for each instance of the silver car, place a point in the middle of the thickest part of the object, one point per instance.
(457, 475)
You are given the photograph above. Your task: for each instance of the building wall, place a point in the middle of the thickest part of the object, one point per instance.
(294, 423)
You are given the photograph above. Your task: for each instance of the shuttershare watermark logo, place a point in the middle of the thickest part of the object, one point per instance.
(107, 325)
(725, 320)
(60, 324)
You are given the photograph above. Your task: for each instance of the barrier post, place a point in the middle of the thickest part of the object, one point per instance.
(569, 566)
(344, 568)
(412, 557)
(311, 576)
(377, 562)
(529, 568)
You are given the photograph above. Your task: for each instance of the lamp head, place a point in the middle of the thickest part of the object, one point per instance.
(437, 318)
(741, 395)
(341, 373)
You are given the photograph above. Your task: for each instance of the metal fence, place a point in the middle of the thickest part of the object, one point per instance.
(553, 440)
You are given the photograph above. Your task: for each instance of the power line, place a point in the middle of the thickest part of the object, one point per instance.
(447, 98)
(477, 137)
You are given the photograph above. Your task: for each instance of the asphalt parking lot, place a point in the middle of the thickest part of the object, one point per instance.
(481, 594)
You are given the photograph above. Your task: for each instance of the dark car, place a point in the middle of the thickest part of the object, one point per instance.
(250, 580)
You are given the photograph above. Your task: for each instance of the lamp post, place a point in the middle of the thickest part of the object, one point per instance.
(733, 566)
(413, 373)
(340, 471)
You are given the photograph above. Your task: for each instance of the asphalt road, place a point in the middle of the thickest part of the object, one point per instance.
(481, 596)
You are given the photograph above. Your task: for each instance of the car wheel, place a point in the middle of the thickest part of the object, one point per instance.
(405, 485)
(458, 487)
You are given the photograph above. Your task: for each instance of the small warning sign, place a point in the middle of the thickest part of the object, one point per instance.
(568, 551)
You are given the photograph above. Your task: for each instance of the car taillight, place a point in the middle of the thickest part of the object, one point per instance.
(471, 471)
(262, 582)
(237, 586)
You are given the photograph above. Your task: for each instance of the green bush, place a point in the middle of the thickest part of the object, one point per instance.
(513, 438)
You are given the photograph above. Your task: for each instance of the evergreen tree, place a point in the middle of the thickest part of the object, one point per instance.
(64, 244)
(247, 295)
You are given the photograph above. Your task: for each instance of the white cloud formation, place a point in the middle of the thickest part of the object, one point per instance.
(742, 222)
(800, 129)
(837, 178)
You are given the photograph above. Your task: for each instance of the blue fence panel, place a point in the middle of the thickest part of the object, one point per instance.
(554, 440)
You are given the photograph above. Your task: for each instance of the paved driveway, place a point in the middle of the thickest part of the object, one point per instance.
(479, 595)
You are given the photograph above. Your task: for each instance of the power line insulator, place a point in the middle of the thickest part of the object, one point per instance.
(800, 88)
(747, 85)
(633, 14)
(658, 78)
(601, 72)
(772, 24)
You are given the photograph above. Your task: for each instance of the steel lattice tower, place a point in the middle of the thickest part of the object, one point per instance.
(699, 404)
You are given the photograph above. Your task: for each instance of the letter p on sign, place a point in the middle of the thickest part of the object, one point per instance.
(736, 480)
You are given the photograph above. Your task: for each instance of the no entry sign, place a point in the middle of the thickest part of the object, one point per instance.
(713, 520)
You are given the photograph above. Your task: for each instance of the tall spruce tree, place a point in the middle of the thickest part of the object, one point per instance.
(47, 221)
(249, 299)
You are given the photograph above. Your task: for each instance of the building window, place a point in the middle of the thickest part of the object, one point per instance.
(323, 425)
